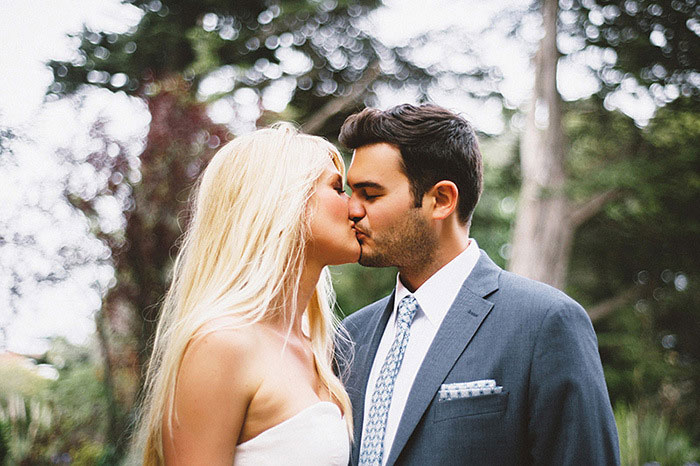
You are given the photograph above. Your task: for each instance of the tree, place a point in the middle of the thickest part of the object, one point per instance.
(603, 204)
(315, 52)
(151, 189)
(543, 232)
(548, 217)
(61, 420)
(652, 41)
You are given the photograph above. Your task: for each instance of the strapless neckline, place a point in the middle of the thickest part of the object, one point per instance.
(317, 435)
(291, 419)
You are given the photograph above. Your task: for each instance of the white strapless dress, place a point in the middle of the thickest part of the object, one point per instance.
(316, 436)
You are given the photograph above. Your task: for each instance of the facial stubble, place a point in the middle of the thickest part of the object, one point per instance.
(410, 244)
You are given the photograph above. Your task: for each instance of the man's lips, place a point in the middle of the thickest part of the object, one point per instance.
(359, 233)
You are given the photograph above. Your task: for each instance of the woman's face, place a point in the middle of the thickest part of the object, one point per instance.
(333, 240)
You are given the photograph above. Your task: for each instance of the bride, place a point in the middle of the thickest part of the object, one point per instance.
(241, 370)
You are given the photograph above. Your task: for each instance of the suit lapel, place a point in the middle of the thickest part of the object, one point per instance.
(364, 357)
(459, 326)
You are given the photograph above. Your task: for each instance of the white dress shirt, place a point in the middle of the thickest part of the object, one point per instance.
(435, 298)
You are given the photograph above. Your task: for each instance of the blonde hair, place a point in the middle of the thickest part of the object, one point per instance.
(242, 258)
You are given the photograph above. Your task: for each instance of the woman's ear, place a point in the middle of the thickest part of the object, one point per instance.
(445, 197)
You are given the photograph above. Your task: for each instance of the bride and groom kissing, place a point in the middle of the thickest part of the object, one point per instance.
(463, 363)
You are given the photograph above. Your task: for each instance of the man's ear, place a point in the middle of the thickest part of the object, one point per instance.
(445, 197)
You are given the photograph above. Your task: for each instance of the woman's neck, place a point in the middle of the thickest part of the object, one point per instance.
(307, 285)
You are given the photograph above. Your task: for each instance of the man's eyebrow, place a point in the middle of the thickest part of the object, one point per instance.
(366, 184)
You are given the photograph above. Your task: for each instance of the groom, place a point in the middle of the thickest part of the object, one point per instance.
(463, 363)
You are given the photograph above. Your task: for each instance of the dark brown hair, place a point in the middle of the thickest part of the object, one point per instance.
(435, 145)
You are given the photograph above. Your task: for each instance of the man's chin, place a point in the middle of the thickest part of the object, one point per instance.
(369, 260)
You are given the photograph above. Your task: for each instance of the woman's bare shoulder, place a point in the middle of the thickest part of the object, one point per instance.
(221, 343)
(219, 375)
(220, 367)
(227, 335)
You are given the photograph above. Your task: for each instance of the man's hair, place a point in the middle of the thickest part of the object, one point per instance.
(435, 145)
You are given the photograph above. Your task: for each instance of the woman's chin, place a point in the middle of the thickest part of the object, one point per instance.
(347, 255)
(334, 251)
(358, 254)
(356, 249)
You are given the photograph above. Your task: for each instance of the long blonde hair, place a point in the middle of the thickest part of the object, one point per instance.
(242, 257)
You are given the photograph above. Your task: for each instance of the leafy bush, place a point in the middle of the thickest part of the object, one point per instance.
(26, 419)
(647, 437)
(53, 421)
(4, 442)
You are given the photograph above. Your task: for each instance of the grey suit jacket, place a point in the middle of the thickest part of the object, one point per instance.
(536, 342)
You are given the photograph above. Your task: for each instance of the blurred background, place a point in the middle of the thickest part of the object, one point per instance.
(589, 119)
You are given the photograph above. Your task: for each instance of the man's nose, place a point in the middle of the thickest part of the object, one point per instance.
(355, 209)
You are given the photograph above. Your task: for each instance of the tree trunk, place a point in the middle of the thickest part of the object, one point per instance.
(544, 231)
(115, 429)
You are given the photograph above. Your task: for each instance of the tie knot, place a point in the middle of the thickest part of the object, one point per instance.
(407, 310)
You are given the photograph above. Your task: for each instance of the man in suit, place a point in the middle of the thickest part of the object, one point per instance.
(464, 363)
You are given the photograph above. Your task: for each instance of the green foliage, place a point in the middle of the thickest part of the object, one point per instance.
(258, 44)
(652, 40)
(647, 437)
(357, 286)
(78, 396)
(27, 419)
(24, 413)
(643, 243)
(89, 454)
(48, 419)
(495, 214)
(4, 441)
(635, 366)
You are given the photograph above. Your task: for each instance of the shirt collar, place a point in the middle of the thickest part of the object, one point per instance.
(436, 295)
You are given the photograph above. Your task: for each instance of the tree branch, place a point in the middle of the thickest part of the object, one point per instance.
(609, 305)
(588, 208)
(340, 103)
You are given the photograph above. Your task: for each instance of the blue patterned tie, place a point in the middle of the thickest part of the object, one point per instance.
(372, 449)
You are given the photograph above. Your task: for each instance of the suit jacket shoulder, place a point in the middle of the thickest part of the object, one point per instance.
(357, 323)
(533, 300)
(538, 295)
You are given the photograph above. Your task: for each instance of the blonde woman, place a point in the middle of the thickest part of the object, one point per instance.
(241, 371)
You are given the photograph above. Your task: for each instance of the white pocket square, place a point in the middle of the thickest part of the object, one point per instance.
(454, 391)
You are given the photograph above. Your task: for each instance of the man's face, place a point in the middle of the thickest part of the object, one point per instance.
(391, 231)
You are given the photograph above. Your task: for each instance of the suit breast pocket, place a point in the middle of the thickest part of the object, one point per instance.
(474, 406)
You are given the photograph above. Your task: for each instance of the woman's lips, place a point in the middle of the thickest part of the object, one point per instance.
(359, 234)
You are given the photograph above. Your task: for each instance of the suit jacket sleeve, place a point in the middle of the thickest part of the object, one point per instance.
(571, 420)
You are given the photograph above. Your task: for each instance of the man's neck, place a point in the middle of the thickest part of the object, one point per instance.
(413, 277)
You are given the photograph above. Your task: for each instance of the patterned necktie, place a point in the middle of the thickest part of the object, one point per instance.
(372, 449)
